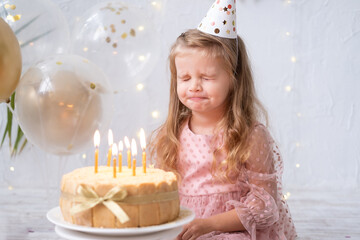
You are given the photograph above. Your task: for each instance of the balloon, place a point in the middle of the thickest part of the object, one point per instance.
(40, 27)
(60, 103)
(120, 39)
(10, 61)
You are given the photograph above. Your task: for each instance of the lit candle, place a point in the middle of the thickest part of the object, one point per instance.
(127, 144)
(110, 141)
(143, 147)
(121, 147)
(96, 144)
(114, 152)
(134, 152)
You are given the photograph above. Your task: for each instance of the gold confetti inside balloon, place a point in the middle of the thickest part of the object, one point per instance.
(60, 103)
(10, 61)
(39, 26)
(119, 38)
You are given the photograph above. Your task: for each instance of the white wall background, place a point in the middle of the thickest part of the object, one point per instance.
(315, 123)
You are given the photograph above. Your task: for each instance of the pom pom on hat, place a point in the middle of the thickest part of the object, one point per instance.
(220, 20)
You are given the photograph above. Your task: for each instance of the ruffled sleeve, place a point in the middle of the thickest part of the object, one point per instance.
(258, 208)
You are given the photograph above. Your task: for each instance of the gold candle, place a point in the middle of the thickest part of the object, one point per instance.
(110, 141)
(121, 147)
(115, 152)
(134, 152)
(96, 144)
(143, 146)
(127, 144)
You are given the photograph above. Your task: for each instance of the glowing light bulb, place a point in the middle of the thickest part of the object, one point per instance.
(141, 28)
(293, 59)
(142, 58)
(12, 169)
(288, 88)
(140, 86)
(84, 156)
(155, 114)
(297, 165)
(85, 49)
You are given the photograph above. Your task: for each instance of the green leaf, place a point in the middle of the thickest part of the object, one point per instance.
(19, 136)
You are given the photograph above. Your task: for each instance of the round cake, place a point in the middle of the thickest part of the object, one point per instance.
(100, 200)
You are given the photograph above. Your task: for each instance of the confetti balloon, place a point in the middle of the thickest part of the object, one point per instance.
(61, 101)
(40, 27)
(120, 39)
(10, 61)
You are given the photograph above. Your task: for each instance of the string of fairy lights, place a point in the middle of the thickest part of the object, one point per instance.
(155, 114)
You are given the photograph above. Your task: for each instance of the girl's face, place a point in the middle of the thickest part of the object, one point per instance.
(202, 82)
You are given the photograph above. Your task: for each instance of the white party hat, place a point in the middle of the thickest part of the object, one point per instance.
(220, 20)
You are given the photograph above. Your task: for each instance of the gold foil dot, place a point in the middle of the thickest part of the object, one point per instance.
(112, 25)
(7, 6)
(124, 35)
(13, 7)
(123, 21)
(108, 39)
(217, 30)
(228, 31)
(132, 32)
(59, 63)
(92, 85)
(118, 13)
(114, 45)
(113, 30)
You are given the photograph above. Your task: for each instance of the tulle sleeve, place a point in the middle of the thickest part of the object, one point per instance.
(258, 209)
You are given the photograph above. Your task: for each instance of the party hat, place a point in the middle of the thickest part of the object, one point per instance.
(220, 20)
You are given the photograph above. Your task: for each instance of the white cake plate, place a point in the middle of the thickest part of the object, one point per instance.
(66, 230)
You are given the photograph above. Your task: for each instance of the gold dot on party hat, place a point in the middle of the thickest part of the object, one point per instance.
(59, 63)
(92, 85)
(118, 13)
(123, 21)
(114, 45)
(124, 35)
(155, 114)
(108, 39)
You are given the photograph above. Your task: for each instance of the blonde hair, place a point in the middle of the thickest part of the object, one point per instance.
(243, 111)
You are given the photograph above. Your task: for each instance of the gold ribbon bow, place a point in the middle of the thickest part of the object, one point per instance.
(87, 199)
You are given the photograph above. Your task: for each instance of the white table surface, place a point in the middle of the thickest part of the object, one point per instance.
(317, 215)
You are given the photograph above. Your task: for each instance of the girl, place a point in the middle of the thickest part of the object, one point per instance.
(228, 166)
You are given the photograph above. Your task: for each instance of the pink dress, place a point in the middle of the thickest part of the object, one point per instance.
(256, 194)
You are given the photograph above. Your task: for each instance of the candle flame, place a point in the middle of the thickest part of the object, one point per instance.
(110, 138)
(127, 142)
(97, 138)
(133, 147)
(142, 139)
(121, 146)
(114, 150)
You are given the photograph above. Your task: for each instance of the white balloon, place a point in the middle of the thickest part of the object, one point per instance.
(60, 103)
(39, 26)
(120, 39)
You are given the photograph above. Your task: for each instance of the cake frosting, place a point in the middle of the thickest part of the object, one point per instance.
(146, 199)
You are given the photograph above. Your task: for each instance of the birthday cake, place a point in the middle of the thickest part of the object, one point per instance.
(100, 200)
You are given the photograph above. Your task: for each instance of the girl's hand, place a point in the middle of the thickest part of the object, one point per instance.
(195, 229)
